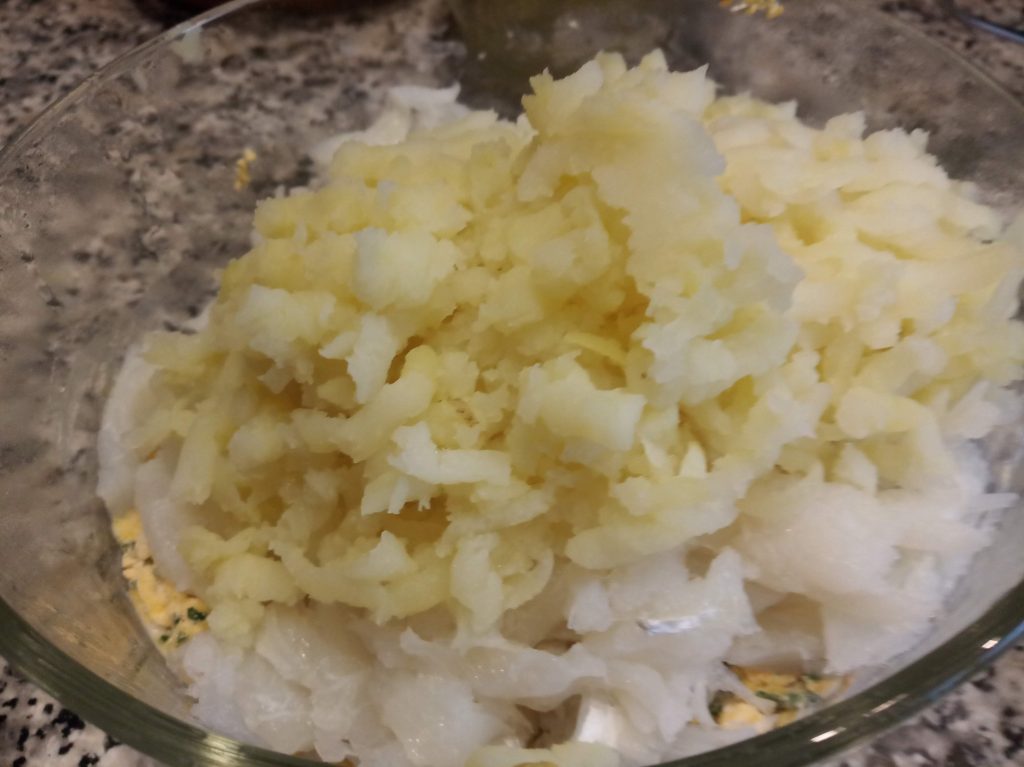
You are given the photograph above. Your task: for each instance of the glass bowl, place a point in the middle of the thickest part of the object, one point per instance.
(119, 203)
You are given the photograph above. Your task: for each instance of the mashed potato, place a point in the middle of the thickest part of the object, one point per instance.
(503, 416)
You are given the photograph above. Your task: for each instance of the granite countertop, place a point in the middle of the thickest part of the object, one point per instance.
(47, 46)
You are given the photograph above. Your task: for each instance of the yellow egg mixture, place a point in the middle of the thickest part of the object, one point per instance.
(169, 616)
(771, 8)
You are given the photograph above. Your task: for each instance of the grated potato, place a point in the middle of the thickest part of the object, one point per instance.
(494, 397)
(416, 350)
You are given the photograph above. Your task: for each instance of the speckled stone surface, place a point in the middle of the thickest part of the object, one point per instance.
(47, 46)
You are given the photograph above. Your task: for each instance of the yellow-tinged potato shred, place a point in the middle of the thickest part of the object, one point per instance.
(591, 335)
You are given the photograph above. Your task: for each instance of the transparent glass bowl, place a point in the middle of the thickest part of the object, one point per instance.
(118, 205)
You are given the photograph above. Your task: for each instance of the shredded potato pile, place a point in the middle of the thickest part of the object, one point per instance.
(493, 345)
(639, 321)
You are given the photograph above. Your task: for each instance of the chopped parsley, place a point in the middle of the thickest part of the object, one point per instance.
(718, 703)
(790, 701)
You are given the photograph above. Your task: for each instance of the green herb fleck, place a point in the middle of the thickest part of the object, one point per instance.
(164, 638)
(718, 703)
(776, 699)
(196, 616)
(790, 701)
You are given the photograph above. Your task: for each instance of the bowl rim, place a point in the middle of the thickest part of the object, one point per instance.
(823, 733)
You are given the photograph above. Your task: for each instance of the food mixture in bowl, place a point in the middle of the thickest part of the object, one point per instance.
(606, 436)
